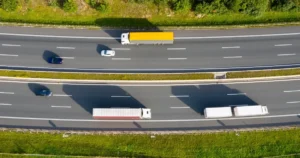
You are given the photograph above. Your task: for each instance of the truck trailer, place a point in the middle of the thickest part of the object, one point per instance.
(121, 113)
(147, 38)
(250, 110)
(218, 112)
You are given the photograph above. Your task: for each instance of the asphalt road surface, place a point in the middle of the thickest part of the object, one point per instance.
(202, 50)
(174, 107)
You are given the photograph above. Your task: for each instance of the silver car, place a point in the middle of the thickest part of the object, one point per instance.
(108, 53)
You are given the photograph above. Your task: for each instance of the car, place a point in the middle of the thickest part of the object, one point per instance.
(108, 53)
(55, 60)
(45, 93)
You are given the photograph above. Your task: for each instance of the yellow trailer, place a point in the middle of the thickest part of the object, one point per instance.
(147, 38)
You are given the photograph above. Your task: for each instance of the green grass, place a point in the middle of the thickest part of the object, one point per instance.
(133, 15)
(264, 73)
(90, 76)
(227, 144)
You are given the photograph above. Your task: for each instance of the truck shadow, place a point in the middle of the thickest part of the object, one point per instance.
(101, 96)
(204, 96)
(123, 25)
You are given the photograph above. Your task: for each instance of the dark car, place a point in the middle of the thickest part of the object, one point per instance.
(45, 92)
(55, 60)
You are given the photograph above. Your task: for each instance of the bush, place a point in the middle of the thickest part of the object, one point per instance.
(182, 5)
(69, 6)
(283, 5)
(9, 5)
(52, 3)
(250, 7)
(99, 5)
(217, 6)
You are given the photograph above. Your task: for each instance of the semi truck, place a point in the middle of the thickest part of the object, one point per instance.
(220, 112)
(217, 112)
(121, 113)
(250, 110)
(147, 38)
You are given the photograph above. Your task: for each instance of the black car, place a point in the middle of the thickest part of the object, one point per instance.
(55, 60)
(45, 92)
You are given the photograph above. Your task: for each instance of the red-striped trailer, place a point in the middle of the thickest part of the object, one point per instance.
(121, 113)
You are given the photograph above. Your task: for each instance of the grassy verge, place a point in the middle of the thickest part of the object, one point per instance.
(265, 73)
(89, 76)
(228, 144)
(133, 15)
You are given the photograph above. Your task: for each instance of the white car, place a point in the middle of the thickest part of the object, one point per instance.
(108, 53)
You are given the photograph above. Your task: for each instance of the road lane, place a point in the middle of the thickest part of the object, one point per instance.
(166, 102)
(194, 54)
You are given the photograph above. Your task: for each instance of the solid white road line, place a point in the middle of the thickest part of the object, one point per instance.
(177, 58)
(289, 91)
(232, 57)
(10, 45)
(282, 45)
(61, 95)
(120, 58)
(9, 55)
(5, 104)
(293, 102)
(120, 96)
(280, 55)
(65, 47)
(7, 93)
(233, 47)
(176, 48)
(179, 96)
(120, 48)
(184, 107)
(67, 57)
(236, 94)
(54, 106)
(150, 121)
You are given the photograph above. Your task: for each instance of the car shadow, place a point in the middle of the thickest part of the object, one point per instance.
(36, 88)
(101, 96)
(101, 47)
(47, 55)
(204, 96)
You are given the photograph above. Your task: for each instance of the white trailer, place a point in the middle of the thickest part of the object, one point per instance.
(250, 110)
(218, 112)
(122, 113)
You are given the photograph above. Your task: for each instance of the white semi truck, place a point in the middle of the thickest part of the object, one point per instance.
(250, 110)
(122, 113)
(147, 38)
(221, 112)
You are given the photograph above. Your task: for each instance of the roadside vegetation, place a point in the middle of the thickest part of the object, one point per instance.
(145, 77)
(212, 145)
(149, 13)
(95, 76)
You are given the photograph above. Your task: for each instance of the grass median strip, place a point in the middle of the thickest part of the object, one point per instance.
(95, 76)
(227, 144)
(263, 73)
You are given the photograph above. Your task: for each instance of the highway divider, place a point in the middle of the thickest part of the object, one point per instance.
(148, 76)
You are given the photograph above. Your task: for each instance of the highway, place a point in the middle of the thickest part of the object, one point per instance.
(201, 50)
(174, 107)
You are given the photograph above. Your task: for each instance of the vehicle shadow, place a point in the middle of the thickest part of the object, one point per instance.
(36, 88)
(124, 25)
(204, 96)
(47, 55)
(101, 47)
(101, 96)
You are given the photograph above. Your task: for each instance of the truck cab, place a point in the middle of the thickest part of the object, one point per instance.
(146, 113)
(125, 38)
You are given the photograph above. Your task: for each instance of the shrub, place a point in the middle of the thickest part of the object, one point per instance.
(52, 3)
(182, 5)
(99, 5)
(9, 5)
(283, 5)
(217, 6)
(69, 6)
(250, 7)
